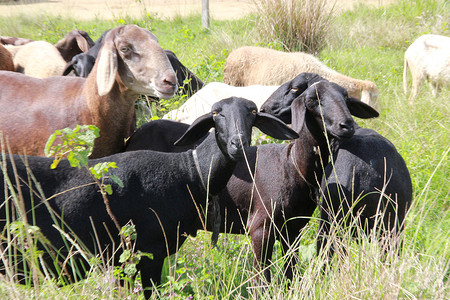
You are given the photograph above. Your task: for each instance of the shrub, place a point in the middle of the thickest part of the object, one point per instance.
(299, 25)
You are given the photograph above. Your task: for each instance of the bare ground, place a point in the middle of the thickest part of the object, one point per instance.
(112, 9)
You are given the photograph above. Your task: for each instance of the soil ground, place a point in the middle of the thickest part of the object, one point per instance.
(112, 9)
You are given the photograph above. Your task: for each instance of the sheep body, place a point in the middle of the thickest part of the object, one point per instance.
(105, 99)
(367, 177)
(6, 61)
(256, 65)
(161, 191)
(203, 99)
(362, 167)
(428, 58)
(39, 59)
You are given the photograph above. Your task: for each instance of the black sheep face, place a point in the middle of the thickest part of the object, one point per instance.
(279, 103)
(233, 119)
(234, 125)
(325, 102)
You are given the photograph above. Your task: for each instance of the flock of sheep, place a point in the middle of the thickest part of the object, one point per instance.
(177, 175)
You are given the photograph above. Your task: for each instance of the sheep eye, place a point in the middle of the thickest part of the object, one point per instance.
(309, 101)
(254, 112)
(294, 90)
(214, 113)
(124, 49)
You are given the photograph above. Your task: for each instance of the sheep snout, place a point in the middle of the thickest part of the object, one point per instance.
(168, 86)
(236, 146)
(347, 129)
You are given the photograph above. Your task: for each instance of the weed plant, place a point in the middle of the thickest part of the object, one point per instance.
(298, 25)
(366, 43)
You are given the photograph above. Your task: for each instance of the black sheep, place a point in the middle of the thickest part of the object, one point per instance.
(161, 192)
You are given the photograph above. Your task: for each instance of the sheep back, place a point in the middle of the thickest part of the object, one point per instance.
(202, 101)
(39, 59)
(364, 166)
(257, 65)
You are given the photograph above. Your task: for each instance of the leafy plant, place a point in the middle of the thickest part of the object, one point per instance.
(78, 144)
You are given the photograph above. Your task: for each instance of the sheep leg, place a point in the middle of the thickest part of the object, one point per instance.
(150, 274)
(290, 258)
(262, 242)
(416, 83)
(324, 231)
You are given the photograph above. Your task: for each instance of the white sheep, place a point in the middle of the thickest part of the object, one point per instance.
(38, 59)
(256, 65)
(202, 101)
(428, 58)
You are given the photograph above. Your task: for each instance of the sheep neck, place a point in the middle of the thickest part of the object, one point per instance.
(112, 114)
(214, 166)
(310, 152)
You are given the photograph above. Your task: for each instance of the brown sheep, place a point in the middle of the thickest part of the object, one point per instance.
(256, 65)
(75, 42)
(130, 63)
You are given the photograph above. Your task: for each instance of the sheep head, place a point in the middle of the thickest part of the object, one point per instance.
(329, 106)
(233, 119)
(135, 56)
(279, 102)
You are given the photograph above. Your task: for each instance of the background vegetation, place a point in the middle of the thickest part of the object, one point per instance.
(364, 43)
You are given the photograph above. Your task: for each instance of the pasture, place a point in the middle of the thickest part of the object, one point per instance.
(367, 43)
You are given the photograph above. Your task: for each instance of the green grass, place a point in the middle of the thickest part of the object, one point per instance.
(364, 43)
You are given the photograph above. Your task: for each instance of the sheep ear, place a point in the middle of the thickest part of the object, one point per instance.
(106, 68)
(198, 129)
(360, 109)
(274, 127)
(298, 113)
(68, 68)
(82, 43)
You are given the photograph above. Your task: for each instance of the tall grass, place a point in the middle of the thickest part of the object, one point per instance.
(366, 43)
(298, 25)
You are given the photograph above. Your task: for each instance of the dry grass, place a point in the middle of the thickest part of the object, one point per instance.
(296, 24)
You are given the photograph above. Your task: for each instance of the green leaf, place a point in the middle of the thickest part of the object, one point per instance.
(117, 180)
(146, 254)
(130, 269)
(108, 189)
(77, 142)
(128, 230)
(124, 256)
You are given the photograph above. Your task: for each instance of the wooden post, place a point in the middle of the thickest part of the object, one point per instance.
(205, 13)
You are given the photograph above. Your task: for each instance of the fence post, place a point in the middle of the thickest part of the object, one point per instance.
(205, 13)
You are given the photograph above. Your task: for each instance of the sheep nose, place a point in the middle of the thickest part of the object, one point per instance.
(347, 127)
(236, 142)
(170, 79)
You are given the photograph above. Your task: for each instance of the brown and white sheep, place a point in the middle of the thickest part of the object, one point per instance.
(130, 63)
(257, 65)
(6, 61)
(428, 58)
